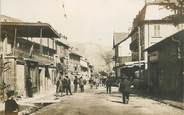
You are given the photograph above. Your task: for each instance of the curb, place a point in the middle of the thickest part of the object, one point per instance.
(172, 105)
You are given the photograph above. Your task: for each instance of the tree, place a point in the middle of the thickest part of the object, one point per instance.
(178, 7)
(107, 57)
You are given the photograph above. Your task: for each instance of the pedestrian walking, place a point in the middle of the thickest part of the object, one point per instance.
(125, 89)
(81, 84)
(68, 86)
(64, 84)
(11, 106)
(29, 87)
(91, 82)
(85, 81)
(59, 87)
(103, 81)
(96, 82)
(108, 84)
(75, 82)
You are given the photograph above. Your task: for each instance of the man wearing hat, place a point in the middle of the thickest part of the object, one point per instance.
(11, 106)
(125, 89)
(29, 87)
(68, 85)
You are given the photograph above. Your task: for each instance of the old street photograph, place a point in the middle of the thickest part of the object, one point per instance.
(91, 57)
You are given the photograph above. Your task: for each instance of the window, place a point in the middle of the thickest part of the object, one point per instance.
(180, 27)
(157, 30)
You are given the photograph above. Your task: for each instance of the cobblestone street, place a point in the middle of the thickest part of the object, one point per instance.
(96, 102)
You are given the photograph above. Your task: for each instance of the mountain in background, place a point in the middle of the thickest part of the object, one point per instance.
(94, 53)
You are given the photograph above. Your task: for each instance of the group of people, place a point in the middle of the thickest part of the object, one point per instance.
(79, 82)
(94, 82)
(64, 85)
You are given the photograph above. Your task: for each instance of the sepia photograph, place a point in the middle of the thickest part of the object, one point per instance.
(91, 57)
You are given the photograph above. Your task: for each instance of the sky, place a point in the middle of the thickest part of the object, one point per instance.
(87, 20)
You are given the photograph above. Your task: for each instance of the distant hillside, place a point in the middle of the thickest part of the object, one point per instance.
(93, 52)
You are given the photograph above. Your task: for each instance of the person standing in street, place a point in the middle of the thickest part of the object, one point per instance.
(81, 84)
(108, 84)
(64, 84)
(75, 82)
(91, 82)
(103, 81)
(68, 86)
(125, 89)
(59, 87)
(11, 106)
(29, 87)
(96, 82)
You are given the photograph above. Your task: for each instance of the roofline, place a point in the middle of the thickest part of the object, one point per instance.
(30, 24)
(159, 3)
(114, 45)
(145, 22)
(11, 18)
(63, 43)
(75, 54)
(162, 21)
(128, 36)
(159, 22)
(167, 38)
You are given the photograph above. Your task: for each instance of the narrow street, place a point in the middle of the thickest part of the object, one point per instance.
(97, 102)
(52, 48)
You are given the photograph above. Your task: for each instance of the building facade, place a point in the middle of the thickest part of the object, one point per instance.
(85, 69)
(62, 56)
(27, 51)
(165, 65)
(122, 52)
(150, 28)
(74, 64)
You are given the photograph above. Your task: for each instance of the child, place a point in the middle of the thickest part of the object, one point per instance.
(11, 106)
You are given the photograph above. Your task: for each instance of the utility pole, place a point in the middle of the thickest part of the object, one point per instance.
(139, 50)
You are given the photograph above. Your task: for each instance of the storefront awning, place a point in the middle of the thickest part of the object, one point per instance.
(133, 64)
